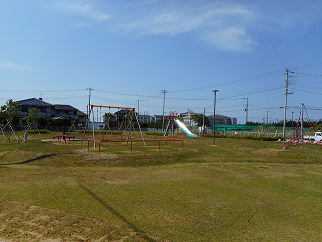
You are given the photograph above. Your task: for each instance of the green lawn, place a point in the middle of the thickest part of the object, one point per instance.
(239, 190)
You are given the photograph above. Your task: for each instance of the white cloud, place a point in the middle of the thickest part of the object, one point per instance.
(86, 10)
(229, 39)
(224, 26)
(11, 66)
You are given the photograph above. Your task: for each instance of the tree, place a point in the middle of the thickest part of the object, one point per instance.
(9, 111)
(32, 116)
(198, 118)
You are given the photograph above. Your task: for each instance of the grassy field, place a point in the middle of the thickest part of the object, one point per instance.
(239, 190)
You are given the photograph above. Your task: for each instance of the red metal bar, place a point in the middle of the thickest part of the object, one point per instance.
(117, 141)
(99, 147)
(114, 141)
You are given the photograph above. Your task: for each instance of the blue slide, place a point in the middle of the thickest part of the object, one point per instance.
(184, 128)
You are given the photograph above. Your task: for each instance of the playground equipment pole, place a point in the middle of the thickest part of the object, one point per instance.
(164, 92)
(213, 143)
(302, 125)
(93, 127)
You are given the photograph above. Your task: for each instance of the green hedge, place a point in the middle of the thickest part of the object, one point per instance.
(263, 138)
(154, 133)
(98, 131)
(42, 131)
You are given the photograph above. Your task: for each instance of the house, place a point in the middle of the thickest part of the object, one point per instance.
(81, 116)
(29, 104)
(59, 110)
(222, 120)
(145, 118)
(47, 110)
(187, 117)
(158, 118)
(122, 114)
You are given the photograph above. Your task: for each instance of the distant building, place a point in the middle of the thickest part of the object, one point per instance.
(122, 114)
(158, 118)
(47, 110)
(145, 118)
(187, 117)
(222, 120)
(59, 110)
(81, 116)
(29, 104)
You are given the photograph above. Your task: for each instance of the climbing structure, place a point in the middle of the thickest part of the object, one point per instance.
(302, 136)
(172, 115)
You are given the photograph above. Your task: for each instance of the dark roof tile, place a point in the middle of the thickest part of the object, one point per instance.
(34, 102)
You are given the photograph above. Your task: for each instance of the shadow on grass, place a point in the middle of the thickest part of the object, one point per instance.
(31, 160)
(140, 232)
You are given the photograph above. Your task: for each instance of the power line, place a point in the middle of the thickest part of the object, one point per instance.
(317, 93)
(239, 95)
(70, 90)
(232, 82)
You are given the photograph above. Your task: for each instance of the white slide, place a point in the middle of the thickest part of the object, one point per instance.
(184, 128)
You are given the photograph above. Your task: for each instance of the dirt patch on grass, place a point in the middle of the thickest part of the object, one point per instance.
(264, 152)
(89, 156)
(98, 180)
(271, 153)
(24, 222)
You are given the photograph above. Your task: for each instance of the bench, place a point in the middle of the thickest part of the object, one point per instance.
(62, 137)
(70, 137)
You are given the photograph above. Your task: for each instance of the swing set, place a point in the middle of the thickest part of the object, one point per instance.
(127, 126)
(129, 116)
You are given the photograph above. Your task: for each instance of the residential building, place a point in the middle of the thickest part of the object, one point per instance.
(59, 109)
(122, 114)
(222, 120)
(145, 118)
(46, 109)
(158, 118)
(81, 116)
(187, 117)
(29, 104)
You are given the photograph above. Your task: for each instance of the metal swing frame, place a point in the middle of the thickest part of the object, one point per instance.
(102, 106)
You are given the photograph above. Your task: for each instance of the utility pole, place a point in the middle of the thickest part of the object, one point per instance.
(139, 109)
(203, 120)
(302, 125)
(246, 109)
(267, 118)
(214, 91)
(287, 71)
(89, 102)
(89, 113)
(164, 92)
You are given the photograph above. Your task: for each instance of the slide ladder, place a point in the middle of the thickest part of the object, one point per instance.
(167, 130)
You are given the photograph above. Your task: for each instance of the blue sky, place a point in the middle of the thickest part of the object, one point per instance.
(131, 50)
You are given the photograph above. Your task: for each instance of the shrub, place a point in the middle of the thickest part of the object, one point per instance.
(154, 133)
(42, 131)
(250, 137)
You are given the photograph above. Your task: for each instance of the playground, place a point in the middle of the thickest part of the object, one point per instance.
(62, 191)
(129, 185)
